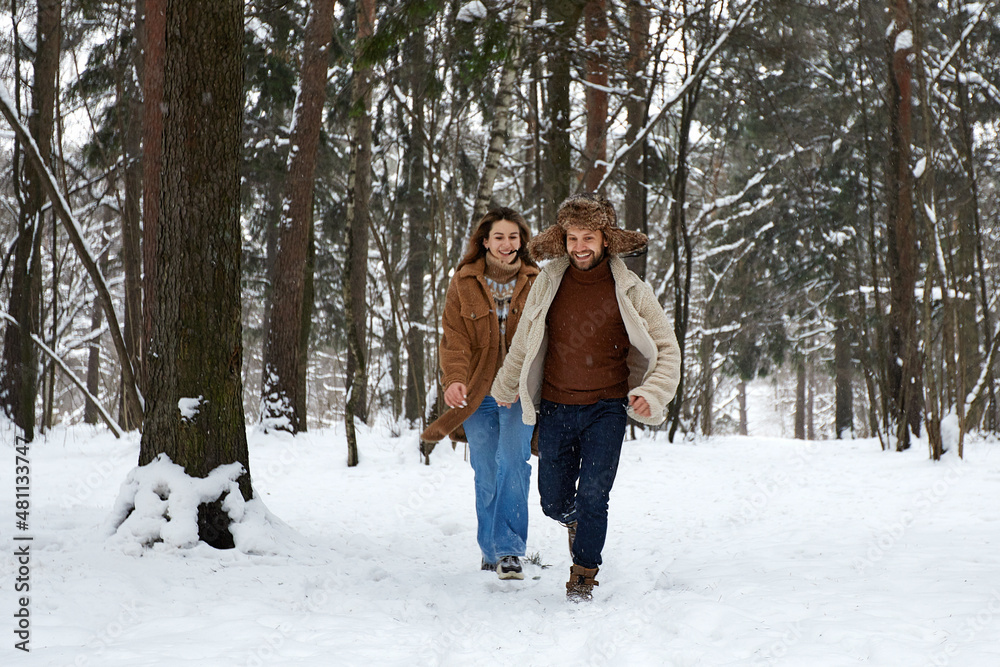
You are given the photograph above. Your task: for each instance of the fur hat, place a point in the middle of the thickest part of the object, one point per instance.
(588, 211)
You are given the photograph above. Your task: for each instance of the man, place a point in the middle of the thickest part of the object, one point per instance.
(593, 347)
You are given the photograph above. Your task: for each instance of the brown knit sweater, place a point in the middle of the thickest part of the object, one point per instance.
(588, 347)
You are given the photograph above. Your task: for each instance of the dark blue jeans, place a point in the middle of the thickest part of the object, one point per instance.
(578, 451)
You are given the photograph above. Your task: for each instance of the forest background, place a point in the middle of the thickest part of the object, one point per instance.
(818, 180)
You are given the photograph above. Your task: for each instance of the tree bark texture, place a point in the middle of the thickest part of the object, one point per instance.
(359, 195)
(419, 232)
(903, 361)
(194, 408)
(131, 252)
(844, 391)
(595, 152)
(305, 330)
(634, 167)
(153, 36)
(563, 16)
(280, 388)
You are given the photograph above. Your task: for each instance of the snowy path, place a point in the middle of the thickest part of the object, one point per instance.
(733, 551)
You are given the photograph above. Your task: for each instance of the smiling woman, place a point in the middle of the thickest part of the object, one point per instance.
(482, 309)
(503, 241)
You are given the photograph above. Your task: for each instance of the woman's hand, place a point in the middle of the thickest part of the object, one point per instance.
(454, 395)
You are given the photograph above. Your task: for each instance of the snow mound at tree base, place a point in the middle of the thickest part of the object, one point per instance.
(158, 505)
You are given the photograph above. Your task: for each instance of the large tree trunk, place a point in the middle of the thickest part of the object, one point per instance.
(557, 167)
(905, 388)
(305, 329)
(280, 388)
(358, 196)
(132, 227)
(153, 36)
(634, 167)
(194, 398)
(19, 375)
(419, 231)
(595, 152)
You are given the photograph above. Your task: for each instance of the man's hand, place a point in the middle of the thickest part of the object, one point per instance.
(454, 395)
(640, 406)
(507, 405)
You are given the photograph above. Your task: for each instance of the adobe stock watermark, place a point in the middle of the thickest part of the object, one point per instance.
(98, 477)
(127, 617)
(778, 649)
(287, 458)
(463, 632)
(423, 493)
(267, 649)
(638, 616)
(971, 629)
(22, 544)
(924, 502)
(754, 504)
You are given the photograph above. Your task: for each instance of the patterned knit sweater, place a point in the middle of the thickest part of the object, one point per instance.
(501, 278)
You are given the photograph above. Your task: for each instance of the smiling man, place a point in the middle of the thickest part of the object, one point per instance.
(593, 347)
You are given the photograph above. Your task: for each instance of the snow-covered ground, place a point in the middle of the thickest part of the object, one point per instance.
(725, 551)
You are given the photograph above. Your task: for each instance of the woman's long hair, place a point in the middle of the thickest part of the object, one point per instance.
(476, 249)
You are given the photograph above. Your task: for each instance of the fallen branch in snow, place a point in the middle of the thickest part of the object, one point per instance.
(72, 376)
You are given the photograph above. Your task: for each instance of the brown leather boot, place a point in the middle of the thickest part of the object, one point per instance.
(581, 583)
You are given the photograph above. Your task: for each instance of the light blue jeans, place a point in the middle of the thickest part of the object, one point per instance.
(499, 449)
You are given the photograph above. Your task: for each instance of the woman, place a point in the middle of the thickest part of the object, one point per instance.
(483, 306)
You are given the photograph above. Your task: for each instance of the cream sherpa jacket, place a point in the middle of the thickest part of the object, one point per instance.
(654, 360)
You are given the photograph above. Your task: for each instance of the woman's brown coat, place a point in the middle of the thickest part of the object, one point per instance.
(470, 340)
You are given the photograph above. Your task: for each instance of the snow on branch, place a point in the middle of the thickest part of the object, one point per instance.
(668, 103)
(970, 26)
(108, 419)
(978, 392)
(133, 400)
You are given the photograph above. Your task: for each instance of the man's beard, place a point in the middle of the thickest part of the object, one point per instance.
(593, 261)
